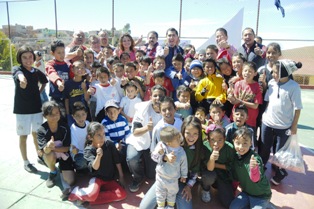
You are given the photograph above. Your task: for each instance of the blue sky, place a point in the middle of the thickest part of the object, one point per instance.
(199, 18)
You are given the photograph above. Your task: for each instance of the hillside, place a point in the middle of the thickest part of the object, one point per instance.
(304, 55)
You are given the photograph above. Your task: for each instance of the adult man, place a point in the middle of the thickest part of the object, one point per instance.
(74, 51)
(151, 46)
(171, 48)
(252, 50)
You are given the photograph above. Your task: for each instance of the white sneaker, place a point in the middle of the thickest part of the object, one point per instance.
(206, 196)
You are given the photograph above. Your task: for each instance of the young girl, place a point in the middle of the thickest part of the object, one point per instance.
(209, 89)
(167, 174)
(54, 139)
(126, 44)
(220, 159)
(193, 146)
(248, 169)
(281, 116)
(103, 160)
(27, 102)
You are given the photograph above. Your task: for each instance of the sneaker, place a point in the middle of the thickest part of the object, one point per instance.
(40, 161)
(279, 176)
(81, 203)
(30, 168)
(65, 194)
(135, 186)
(206, 196)
(51, 181)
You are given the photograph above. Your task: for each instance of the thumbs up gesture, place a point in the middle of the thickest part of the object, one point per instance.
(253, 162)
(23, 82)
(113, 81)
(91, 90)
(51, 143)
(258, 50)
(215, 154)
(74, 150)
(262, 77)
(171, 157)
(99, 151)
(60, 85)
(150, 124)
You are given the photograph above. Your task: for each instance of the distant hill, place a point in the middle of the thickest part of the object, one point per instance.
(304, 55)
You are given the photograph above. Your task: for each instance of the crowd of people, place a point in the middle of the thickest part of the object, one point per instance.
(179, 116)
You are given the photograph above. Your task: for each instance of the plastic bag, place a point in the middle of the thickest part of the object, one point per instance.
(289, 156)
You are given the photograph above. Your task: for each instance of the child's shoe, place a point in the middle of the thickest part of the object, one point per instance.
(51, 181)
(30, 168)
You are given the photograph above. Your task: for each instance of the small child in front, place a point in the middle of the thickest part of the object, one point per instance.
(248, 170)
(168, 173)
(103, 161)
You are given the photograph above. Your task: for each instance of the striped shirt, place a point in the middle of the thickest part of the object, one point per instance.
(117, 130)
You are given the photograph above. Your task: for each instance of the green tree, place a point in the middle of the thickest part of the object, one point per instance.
(5, 61)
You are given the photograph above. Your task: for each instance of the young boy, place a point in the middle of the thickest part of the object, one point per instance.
(247, 92)
(93, 80)
(183, 106)
(176, 73)
(145, 62)
(200, 113)
(58, 73)
(240, 116)
(131, 73)
(75, 90)
(167, 110)
(27, 103)
(211, 52)
(127, 104)
(159, 79)
(78, 136)
(146, 117)
(125, 58)
(116, 127)
(217, 115)
(119, 71)
(103, 92)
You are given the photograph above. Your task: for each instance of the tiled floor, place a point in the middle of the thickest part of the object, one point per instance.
(21, 190)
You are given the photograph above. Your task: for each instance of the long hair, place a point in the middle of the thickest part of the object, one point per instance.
(193, 121)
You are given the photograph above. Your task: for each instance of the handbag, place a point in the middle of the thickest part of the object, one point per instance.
(289, 156)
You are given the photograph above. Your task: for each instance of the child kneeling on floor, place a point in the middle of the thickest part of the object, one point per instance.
(102, 158)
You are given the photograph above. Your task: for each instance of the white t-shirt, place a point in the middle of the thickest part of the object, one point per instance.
(283, 101)
(78, 136)
(103, 94)
(128, 105)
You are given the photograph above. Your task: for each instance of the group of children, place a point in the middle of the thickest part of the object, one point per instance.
(103, 117)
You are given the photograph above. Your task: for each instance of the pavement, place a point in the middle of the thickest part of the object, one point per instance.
(22, 190)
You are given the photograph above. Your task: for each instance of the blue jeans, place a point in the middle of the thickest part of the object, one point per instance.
(149, 200)
(43, 97)
(245, 201)
(268, 135)
(133, 159)
(79, 162)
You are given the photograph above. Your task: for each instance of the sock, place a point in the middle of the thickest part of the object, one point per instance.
(53, 172)
(26, 162)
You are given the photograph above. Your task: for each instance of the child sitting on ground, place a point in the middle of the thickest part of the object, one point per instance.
(103, 160)
(169, 171)
(78, 136)
(248, 170)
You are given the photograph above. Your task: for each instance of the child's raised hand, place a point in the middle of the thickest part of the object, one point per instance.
(187, 105)
(170, 158)
(60, 85)
(119, 146)
(183, 180)
(124, 81)
(217, 101)
(83, 84)
(161, 150)
(253, 162)
(79, 52)
(99, 151)
(51, 143)
(215, 154)
(223, 44)
(150, 68)
(150, 124)
(91, 90)
(23, 82)
(113, 81)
